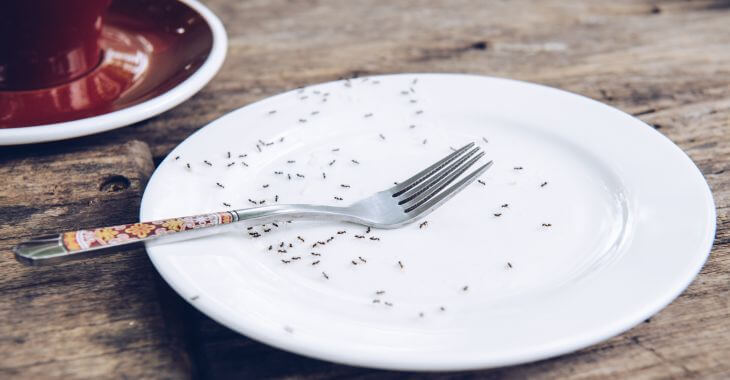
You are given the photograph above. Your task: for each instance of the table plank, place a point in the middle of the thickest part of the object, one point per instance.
(618, 52)
(87, 319)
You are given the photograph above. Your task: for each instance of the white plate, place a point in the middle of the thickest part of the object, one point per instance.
(632, 221)
(138, 112)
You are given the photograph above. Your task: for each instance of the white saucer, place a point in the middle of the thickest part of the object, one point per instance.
(196, 77)
(606, 222)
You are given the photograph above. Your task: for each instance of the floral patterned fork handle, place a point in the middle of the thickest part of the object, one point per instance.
(78, 244)
(65, 246)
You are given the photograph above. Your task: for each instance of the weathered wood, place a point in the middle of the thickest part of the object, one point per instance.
(619, 52)
(94, 318)
(667, 62)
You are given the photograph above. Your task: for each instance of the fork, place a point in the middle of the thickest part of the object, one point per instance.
(391, 208)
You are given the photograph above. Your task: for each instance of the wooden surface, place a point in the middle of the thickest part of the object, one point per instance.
(667, 62)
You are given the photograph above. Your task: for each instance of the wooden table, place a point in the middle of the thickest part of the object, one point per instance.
(666, 62)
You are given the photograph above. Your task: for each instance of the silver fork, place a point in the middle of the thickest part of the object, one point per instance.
(391, 208)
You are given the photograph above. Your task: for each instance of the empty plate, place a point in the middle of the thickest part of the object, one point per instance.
(588, 222)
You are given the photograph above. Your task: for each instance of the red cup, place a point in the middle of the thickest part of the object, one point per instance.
(44, 43)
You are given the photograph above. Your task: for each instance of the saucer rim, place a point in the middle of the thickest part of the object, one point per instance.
(138, 112)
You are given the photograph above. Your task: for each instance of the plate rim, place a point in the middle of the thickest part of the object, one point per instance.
(556, 348)
(138, 112)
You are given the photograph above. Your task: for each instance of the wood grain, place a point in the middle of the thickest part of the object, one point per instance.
(88, 319)
(667, 62)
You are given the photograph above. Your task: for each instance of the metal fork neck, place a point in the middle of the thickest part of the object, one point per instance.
(273, 213)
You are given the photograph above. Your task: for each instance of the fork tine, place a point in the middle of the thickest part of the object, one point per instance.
(425, 173)
(434, 188)
(435, 178)
(431, 204)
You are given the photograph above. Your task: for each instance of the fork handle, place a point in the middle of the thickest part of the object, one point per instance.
(65, 246)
